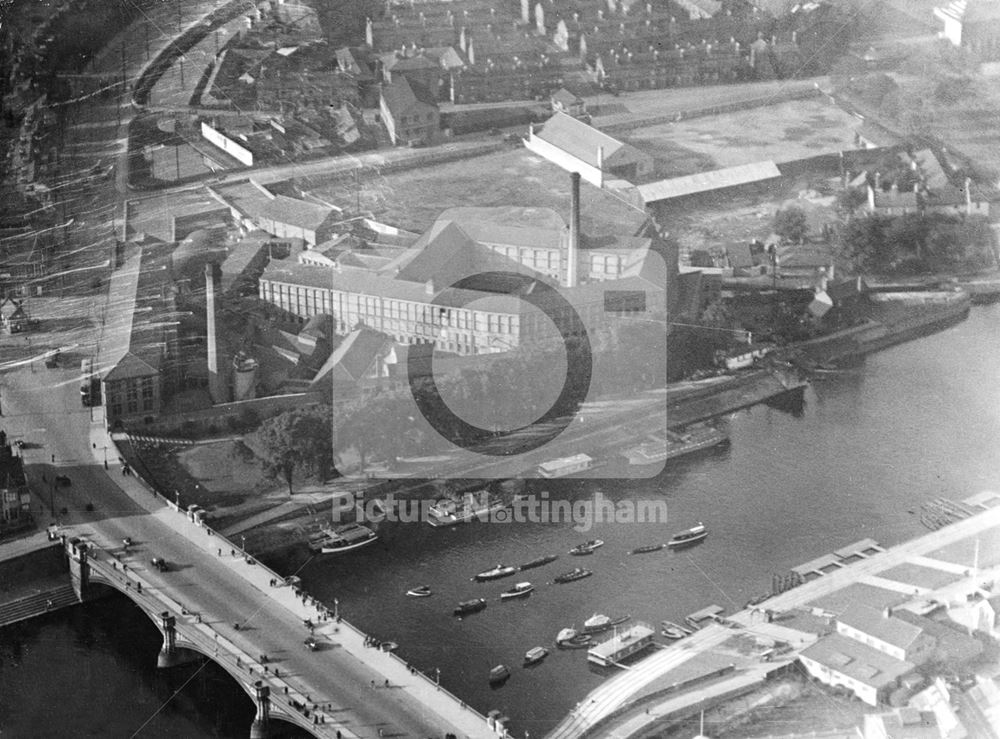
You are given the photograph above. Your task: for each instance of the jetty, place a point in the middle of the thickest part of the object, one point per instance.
(682, 678)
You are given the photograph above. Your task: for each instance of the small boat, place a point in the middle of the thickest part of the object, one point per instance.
(647, 548)
(572, 639)
(471, 506)
(495, 574)
(470, 606)
(388, 646)
(535, 655)
(499, 674)
(540, 561)
(342, 539)
(521, 590)
(675, 627)
(587, 547)
(599, 622)
(421, 591)
(671, 631)
(692, 535)
(577, 573)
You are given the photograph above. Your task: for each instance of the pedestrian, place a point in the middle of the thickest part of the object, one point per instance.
(373, 684)
(387, 683)
(138, 586)
(48, 604)
(276, 672)
(232, 552)
(220, 551)
(380, 732)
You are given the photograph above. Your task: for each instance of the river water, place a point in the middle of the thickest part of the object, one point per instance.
(915, 422)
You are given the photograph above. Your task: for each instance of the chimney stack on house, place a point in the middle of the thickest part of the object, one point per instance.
(573, 248)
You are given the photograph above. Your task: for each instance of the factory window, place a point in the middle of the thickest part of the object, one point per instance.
(147, 387)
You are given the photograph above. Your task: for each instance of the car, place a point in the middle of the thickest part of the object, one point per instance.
(160, 564)
(63, 481)
(311, 644)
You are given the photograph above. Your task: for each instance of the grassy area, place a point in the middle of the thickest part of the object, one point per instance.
(413, 199)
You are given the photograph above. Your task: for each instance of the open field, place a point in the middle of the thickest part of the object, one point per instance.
(792, 130)
(413, 199)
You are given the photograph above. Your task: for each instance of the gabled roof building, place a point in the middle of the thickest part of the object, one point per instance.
(409, 112)
(578, 147)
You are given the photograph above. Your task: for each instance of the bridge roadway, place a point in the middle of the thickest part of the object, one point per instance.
(43, 407)
(623, 689)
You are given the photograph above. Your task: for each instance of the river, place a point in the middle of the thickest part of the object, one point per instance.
(868, 445)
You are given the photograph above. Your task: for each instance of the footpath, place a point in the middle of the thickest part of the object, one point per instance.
(327, 623)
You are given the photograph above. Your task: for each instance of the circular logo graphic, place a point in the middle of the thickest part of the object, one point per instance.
(576, 384)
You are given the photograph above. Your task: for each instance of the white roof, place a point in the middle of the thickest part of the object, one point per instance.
(706, 181)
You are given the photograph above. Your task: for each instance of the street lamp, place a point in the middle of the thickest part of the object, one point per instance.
(336, 608)
(243, 543)
(437, 675)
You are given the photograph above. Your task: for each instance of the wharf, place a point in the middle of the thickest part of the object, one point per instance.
(624, 643)
(691, 674)
(841, 558)
(688, 406)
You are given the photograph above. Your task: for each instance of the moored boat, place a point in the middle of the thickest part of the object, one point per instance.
(671, 631)
(470, 606)
(684, 631)
(521, 590)
(495, 573)
(676, 444)
(692, 535)
(499, 674)
(539, 562)
(647, 548)
(587, 547)
(342, 539)
(420, 591)
(480, 505)
(577, 573)
(599, 622)
(572, 639)
(535, 655)
(565, 466)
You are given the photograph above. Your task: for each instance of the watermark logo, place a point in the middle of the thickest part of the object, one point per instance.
(512, 378)
(581, 513)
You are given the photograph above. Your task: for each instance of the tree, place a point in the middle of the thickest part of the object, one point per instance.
(850, 199)
(791, 224)
(298, 440)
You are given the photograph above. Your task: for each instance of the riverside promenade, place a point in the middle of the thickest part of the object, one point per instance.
(945, 565)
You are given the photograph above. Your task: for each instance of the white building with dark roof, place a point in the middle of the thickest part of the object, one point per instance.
(578, 147)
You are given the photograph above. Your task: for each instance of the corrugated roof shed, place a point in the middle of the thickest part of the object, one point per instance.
(677, 187)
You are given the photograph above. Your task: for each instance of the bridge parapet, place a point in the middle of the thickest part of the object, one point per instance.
(185, 635)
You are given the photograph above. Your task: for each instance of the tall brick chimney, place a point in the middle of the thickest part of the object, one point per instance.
(573, 248)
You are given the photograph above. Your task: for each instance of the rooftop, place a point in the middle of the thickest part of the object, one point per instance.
(717, 179)
(582, 140)
(891, 630)
(858, 661)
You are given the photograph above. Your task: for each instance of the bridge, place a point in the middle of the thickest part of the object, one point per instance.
(290, 684)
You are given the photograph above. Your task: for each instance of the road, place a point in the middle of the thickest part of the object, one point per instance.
(220, 588)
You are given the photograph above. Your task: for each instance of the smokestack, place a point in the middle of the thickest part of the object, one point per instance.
(216, 388)
(572, 250)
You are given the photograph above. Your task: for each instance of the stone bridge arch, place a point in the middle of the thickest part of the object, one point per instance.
(93, 570)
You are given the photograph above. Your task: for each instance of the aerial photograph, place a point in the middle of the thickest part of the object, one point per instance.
(500, 369)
